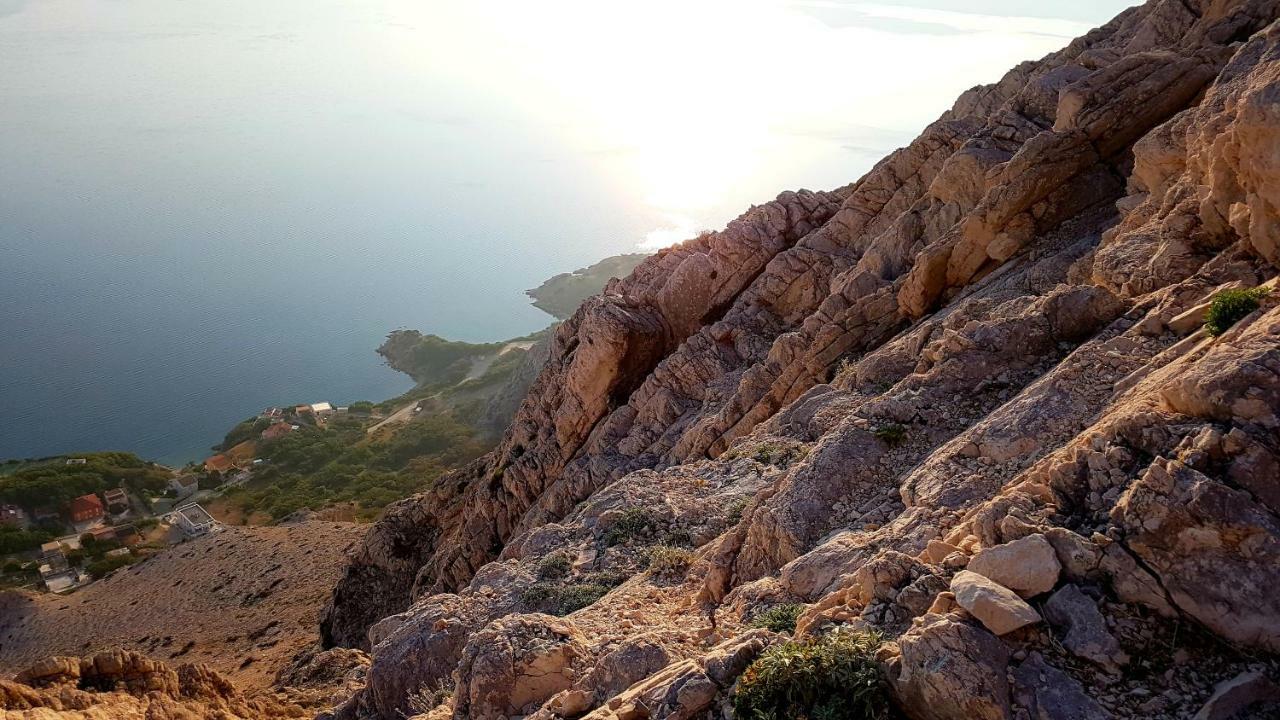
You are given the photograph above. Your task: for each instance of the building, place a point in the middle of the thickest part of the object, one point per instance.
(76, 461)
(103, 534)
(323, 408)
(128, 535)
(276, 431)
(52, 557)
(194, 520)
(218, 463)
(12, 516)
(117, 500)
(184, 485)
(86, 508)
(118, 552)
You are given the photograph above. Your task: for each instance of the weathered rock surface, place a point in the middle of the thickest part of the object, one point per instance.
(974, 371)
(1028, 566)
(129, 686)
(1084, 630)
(995, 605)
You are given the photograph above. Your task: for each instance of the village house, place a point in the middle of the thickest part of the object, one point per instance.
(103, 534)
(117, 500)
(184, 485)
(128, 535)
(56, 573)
(272, 413)
(12, 516)
(86, 508)
(194, 520)
(218, 463)
(276, 431)
(52, 560)
(76, 461)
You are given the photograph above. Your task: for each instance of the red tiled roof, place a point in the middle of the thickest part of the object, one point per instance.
(217, 462)
(278, 430)
(86, 507)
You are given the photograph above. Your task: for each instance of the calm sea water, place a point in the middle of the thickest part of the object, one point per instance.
(211, 206)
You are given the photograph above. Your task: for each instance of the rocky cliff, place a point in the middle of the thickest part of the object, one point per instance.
(965, 405)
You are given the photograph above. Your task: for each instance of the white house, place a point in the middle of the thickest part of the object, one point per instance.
(194, 520)
(323, 408)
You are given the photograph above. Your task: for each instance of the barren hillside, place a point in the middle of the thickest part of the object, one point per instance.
(244, 601)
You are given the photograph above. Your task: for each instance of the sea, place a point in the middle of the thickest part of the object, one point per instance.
(208, 207)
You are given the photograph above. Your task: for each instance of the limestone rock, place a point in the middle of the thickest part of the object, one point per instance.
(1084, 629)
(1233, 697)
(951, 670)
(1050, 694)
(1028, 566)
(515, 664)
(998, 607)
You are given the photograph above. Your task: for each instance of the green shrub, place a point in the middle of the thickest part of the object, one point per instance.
(892, 434)
(554, 567)
(560, 599)
(667, 561)
(735, 509)
(1230, 306)
(766, 454)
(100, 568)
(633, 523)
(779, 618)
(834, 677)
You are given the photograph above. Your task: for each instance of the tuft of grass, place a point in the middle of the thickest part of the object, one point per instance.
(1230, 306)
(634, 522)
(833, 677)
(670, 562)
(891, 434)
(428, 697)
(736, 508)
(779, 618)
(556, 598)
(554, 567)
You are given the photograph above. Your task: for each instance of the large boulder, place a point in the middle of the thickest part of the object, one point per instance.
(950, 670)
(515, 664)
(1028, 566)
(995, 605)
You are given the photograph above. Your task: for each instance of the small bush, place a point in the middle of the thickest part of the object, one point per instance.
(892, 434)
(779, 618)
(766, 454)
(668, 561)
(429, 697)
(1230, 306)
(736, 508)
(554, 567)
(560, 599)
(633, 523)
(834, 677)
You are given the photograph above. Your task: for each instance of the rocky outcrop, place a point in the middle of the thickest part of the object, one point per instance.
(968, 390)
(128, 685)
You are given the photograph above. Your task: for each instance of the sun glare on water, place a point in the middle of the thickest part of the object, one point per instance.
(703, 106)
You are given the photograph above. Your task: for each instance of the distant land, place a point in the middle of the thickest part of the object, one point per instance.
(561, 295)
